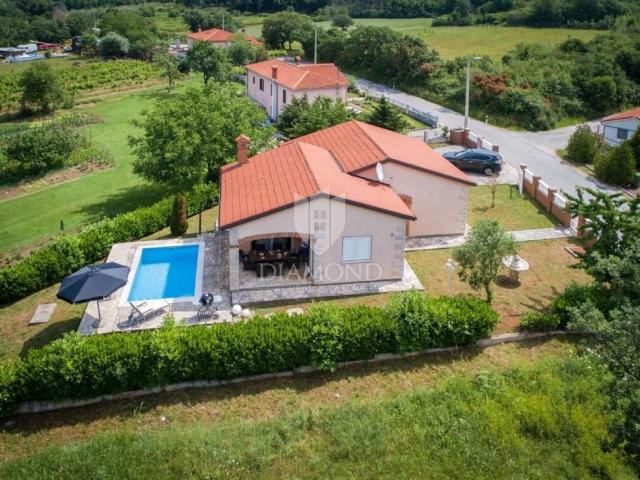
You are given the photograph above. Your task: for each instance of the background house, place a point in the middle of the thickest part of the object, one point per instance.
(273, 83)
(620, 126)
(220, 38)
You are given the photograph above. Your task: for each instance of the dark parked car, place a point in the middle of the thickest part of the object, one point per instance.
(476, 160)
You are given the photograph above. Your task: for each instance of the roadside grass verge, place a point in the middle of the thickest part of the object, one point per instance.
(514, 212)
(266, 399)
(549, 420)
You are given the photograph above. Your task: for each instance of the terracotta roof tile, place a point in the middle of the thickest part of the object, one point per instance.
(280, 177)
(302, 76)
(633, 113)
(358, 146)
(217, 35)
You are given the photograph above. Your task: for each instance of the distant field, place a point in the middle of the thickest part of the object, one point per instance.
(53, 62)
(454, 42)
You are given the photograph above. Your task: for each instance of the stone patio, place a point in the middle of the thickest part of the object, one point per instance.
(115, 318)
(310, 291)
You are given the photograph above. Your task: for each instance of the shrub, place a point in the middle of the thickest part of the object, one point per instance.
(582, 145)
(38, 150)
(539, 321)
(617, 167)
(42, 88)
(81, 367)
(179, 223)
(576, 295)
(66, 254)
(113, 45)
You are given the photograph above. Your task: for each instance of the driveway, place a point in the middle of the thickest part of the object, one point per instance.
(535, 149)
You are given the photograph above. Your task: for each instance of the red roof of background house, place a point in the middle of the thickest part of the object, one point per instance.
(358, 146)
(633, 113)
(295, 171)
(301, 76)
(217, 35)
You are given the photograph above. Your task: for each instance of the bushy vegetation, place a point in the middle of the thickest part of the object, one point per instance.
(43, 89)
(534, 321)
(548, 420)
(301, 117)
(34, 149)
(80, 367)
(49, 264)
(84, 77)
(582, 146)
(533, 86)
(617, 166)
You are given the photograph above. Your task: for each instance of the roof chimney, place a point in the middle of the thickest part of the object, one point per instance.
(298, 61)
(242, 145)
(274, 72)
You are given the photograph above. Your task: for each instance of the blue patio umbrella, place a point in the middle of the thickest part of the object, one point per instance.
(93, 282)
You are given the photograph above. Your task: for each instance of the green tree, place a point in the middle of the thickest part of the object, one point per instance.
(241, 52)
(387, 116)
(481, 255)
(582, 146)
(140, 31)
(170, 70)
(342, 21)
(281, 29)
(42, 89)
(612, 224)
(301, 117)
(602, 93)
(634, 143)
(113, 45)
(186, 137)
(179, 223)
(618, 166)
(212, 61)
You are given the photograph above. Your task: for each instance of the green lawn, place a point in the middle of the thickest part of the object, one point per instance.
(547, 419)
(69, 61)
(453, 42)
(514, 212)
(34, 218)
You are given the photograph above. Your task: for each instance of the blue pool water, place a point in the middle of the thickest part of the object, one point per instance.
(165, 272)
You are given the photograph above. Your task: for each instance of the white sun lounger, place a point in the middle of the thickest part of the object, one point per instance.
(146, 309)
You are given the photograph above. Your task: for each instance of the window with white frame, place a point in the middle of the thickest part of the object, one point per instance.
(356, 249)
(623, 133)
(261, 84)
(254, 79)
(284, 96)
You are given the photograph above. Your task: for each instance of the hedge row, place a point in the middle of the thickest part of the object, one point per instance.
(82, 367)
(67, 253)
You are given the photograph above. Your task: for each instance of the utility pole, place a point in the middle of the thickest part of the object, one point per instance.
(315, 45)
(223, 12)
(466, 94)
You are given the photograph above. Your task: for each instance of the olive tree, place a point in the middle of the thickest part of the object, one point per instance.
(481, 255)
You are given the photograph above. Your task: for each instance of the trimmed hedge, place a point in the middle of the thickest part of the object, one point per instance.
(67, 253)
(81, 367)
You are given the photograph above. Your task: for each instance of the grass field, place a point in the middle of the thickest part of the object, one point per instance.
(453, 42)
(514, 212)
(34, 218)
(544, 418)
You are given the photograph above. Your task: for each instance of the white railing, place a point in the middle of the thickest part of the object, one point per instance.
(528, 176)
(426, 117)
(543, 187)
(559, 201)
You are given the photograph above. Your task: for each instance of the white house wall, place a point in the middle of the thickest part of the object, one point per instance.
(611, 129)
(271, 97)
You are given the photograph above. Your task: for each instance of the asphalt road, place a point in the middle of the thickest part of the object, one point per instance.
(535, 149)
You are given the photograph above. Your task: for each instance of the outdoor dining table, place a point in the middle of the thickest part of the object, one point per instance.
(272, 258)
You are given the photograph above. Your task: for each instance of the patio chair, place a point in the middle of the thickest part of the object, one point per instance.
(147, 309)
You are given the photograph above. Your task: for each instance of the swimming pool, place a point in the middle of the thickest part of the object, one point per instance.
(166, 272)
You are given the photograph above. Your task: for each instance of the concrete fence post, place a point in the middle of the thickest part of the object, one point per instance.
(496, 148)
(536, 183)
(579, 224)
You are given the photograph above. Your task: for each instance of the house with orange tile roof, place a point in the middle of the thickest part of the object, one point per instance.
(621, 126)
(274, 83)
(337, 204)
(218, 37)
